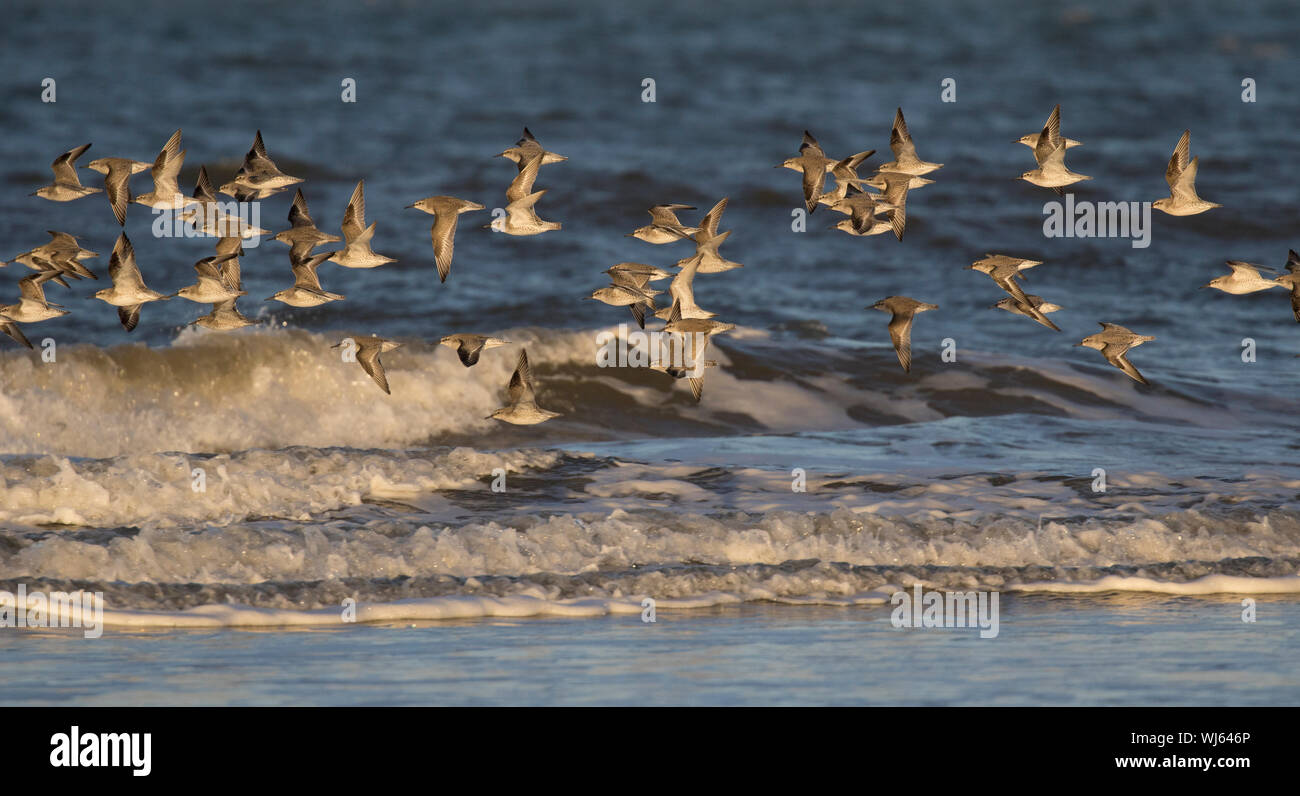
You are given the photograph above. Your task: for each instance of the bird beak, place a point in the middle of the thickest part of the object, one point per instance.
(1202, 287)
(408, 207)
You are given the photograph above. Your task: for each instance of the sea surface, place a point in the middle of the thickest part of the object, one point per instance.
(230, 494)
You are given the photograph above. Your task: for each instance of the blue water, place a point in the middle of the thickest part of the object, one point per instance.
(978, 472)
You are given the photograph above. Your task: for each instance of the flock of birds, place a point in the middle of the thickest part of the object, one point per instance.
(872, 206)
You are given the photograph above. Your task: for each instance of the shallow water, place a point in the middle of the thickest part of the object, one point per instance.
(1050, 650)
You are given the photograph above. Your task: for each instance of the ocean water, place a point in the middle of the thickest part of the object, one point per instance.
(975, 474)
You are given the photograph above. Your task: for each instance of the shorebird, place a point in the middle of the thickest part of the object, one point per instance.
(356, 252)
(1003, 270)
(903, 310)
(258, 177)
(224, 315)
(67, 185)
(861, 209)
(625, 295)
(128, 292)
(306, 290)
(694, 326)
(1036, 303)
(470, 346)
(640, 273)
(1181, 176)
(526, 148)
(117, 175)
(10, 328)
(522, 409)
(303, 236)
(1244, 279)
(63, 254)
(1113, 342)
(846, 177)
(664, 227)
(682, 292)
(208, 217)
(1291, 281)
(367, 355)
(521, 215)
(707, 240)
(897, 184)
(877, 181)
(446, 211)
(166, 193)
(212, 287)
(32, 306)
(814, 165)
(1053, 120)
(1050, 154)
(905, 158)
(692, 368)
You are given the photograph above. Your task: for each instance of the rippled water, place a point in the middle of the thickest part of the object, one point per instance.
(974, 473)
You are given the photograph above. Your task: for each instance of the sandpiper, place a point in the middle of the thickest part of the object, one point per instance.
(1243, 279)
(446, 211)
(212, 287)
(128, 292)
(682, 292)
(470, 346)
(258, 177)
(814, 165)
(625, 295)
(1003, 270)
(1181, 176)
(62, 253)
(356, 252)
(67, 185)
(522, 409)
(905, 158)
(861, 209)
(526, 148)
(166, 193)
(1113, 342)
(521, 215)
(641, 273)
(707, 240)
(208, 217)
(1291, 281)
(368, 350)
(694, 326)
(1035, 303)
(32, 306)
(1050, 154)
(902, 310)
(306, 290)
(224, 315)
(1053, 120)
(302, 236)
(117, 175)
(664, 227)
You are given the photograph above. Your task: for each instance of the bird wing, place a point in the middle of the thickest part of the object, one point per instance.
(521, 382)
(900, 331)
(1178, 161)
(65, 168)
(119, 193)
(368, 358)
(354, 218)
(443, 233)
(522, 185)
